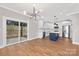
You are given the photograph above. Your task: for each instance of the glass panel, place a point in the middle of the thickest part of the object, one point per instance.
(12, 31)
(23, 31)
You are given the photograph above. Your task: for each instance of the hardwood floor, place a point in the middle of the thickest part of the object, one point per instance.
(41, 47)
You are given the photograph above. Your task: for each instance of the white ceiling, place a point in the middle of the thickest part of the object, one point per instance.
(49, 9)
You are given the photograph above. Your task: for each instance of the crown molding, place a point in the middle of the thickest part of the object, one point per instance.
(13, 10)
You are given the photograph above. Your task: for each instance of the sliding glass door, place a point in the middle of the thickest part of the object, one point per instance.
(23, 31)
(12, 31)
(15, 31)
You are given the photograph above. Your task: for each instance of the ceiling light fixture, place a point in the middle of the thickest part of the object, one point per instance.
(35, 13)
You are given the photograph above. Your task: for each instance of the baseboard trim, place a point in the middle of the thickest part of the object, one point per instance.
(13, 43)
(2, 47)
(18, 42)
(75, 43)
(33, 38)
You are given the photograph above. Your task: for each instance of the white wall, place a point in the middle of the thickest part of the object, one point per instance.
(33, 29)
(1, 42)
(40, 28)
(7, 13)
(75, 28)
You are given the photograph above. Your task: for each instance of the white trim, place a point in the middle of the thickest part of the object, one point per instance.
(17, 42)
(4, 30)
(33, 38)
(75, 43)
(2, 47)
(11, 10)
(72, 13)
(14, 43)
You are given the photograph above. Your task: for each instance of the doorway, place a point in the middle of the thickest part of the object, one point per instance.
(66, 31)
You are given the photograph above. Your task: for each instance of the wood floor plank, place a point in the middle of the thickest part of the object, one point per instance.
(42, 47)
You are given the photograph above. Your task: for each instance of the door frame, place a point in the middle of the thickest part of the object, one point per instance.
(69, 31)
(5, 32)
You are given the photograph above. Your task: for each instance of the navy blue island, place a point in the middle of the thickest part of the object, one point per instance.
(54, 36)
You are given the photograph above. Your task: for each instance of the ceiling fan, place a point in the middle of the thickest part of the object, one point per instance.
(34, 14)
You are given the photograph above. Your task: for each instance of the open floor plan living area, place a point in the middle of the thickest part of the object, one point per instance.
(39, 29)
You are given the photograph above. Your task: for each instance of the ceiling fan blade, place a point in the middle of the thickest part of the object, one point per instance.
(37, 12)
(38, 15)
(29, 14)
(31, 17)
